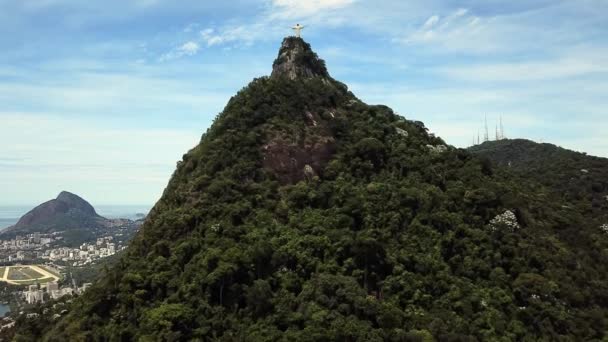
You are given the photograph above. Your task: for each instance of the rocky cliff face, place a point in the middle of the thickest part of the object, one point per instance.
(297, 60)
(303, 153)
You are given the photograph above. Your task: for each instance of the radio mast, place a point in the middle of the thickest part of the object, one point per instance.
(486, 136)
(502, 129)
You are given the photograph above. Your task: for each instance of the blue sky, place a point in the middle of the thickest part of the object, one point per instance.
(102, 98)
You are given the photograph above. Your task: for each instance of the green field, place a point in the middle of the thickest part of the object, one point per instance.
(33, 281)
(48, 269)
(23, 273)
(27, 275)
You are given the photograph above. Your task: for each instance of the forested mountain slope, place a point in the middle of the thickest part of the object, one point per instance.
(305, 214)
(579, 179)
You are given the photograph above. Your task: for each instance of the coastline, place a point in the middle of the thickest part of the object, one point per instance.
(7, 222)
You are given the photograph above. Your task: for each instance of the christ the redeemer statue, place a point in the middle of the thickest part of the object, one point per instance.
(298, 28)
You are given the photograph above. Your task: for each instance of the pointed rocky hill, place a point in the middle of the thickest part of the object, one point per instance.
(305, 214)
(67, 211)
(296, 60)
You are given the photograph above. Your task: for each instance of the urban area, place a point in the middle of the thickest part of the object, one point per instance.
(50, 268)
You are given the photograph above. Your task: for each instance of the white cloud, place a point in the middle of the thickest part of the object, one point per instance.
(112, 93)
(430, 22)
(187, 49)
(437, 30)
(484, 29)
(231, 34)
(112, 136)
(460, 12)
(191, 27)
(105, 164)
(524, 71)
(289, 9)
(275, 20)
(147, 3)
(574, 64)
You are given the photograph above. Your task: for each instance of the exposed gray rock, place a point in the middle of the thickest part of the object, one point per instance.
(297, 60)
(437, 149)
(309, 172)
(311, 118)
(402, 132)
(352, 102)
(419, 124)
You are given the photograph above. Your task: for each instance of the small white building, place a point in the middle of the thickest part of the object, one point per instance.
(34, 295)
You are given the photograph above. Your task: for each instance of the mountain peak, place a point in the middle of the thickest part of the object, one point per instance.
(77, 202)
(297, 60)
(67, 211)
(66, 195)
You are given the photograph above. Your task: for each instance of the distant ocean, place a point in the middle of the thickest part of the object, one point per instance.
(9, 215)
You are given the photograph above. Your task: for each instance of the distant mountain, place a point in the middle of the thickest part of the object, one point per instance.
(575, 177)
(66, 212)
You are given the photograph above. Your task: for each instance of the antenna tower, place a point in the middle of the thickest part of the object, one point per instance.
(486, 136)
(502, 129)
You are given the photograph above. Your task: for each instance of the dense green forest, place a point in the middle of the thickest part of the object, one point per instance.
(577, 178)
(305, 214)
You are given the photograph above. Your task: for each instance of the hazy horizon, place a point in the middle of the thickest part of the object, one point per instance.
(10, 214)
(96, 206)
